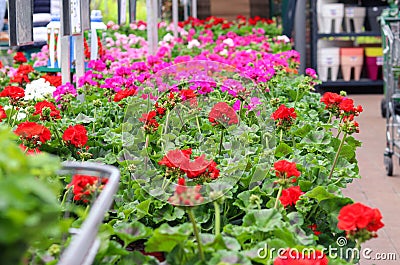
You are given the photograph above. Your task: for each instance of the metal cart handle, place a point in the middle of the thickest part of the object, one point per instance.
(389, 35)
(79, 249)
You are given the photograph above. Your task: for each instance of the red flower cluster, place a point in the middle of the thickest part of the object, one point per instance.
(19, 57)
(3, 114)
(314, 228)
(284, 116)
(150, 122)
(332, 101)
(286, 170)
(120, 95)
(76, 135)
(54, 80)
(199, 169)
(296, 257)
(21, 76)
(28, 150)
(186, 196)
(14, 93)
(33, 134)
(40, 109)
(187, 94)
(83, 186)
(222, 114)
(360, 221)
(290, 196)
(347, 107)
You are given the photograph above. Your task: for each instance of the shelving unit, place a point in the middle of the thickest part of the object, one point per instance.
(316, 36)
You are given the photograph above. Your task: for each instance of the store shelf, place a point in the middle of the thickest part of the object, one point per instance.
(352, 34)
(352, 83)
(340, 83)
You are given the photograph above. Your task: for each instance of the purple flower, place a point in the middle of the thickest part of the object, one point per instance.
(97, 65)
(311, 72)
(87, 79)
(236, 105)
(254, 101)
(62, 90)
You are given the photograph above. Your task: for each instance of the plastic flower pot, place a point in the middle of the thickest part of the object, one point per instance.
(351, 58)
(354, 16)
(373, 61)
(320, 4)
(332, 16)
(328, 59)
(372, 23)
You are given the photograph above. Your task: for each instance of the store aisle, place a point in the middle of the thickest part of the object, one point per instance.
(375, 189)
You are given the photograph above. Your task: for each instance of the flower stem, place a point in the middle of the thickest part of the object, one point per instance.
(353, 252)
(337, 155)
(196, 234)
(217, 218)
(277, 197)
(146, 145)
(281, 136)
(220, 142)
(11, 114)
(94, 122)
(198, 124)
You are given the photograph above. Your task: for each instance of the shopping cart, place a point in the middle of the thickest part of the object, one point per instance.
(391, 72)
(84, 243)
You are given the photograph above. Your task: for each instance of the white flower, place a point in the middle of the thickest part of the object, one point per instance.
(229, 42)
(38, 89)
(224, 52)
(21, 116)
(142, 27)
(193, 43)
(168, 37)
(283, 38)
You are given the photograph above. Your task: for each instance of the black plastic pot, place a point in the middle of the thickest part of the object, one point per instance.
(372, 23)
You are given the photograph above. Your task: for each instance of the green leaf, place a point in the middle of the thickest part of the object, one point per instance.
(265, 220)
(305, 185)
(142, 209)
(320, 193)
(283, 150)
(130, 232)
(165, 238)
(317, 137)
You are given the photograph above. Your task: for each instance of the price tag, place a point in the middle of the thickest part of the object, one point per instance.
(76, 25)
(379, 60)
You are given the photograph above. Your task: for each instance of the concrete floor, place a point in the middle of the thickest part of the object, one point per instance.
(375, 189)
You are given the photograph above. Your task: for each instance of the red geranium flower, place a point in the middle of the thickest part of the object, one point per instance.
(222, 113)
(32, 133)
(357, 216)
(13, 92)
(176, 158)
(296, 257)
(200, 167)
(19, 57)
(150, 123)
(124, 94)
(3, 114)
(347, 107)
(54, 112)
(76, 135)
(85, 186)
(186, 196)
(25, 69)
(54, 80)
(331, 100)
(284, 113)
(285, 169)
(290, 196)
(187, 94)
(314, 228)
(29, 151)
